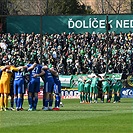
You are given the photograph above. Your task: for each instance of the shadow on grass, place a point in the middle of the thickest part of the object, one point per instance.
(61, 109)
(65, 110)
(83, 110)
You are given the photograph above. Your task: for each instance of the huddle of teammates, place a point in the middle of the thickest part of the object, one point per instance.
(89, 88)
(13, 83)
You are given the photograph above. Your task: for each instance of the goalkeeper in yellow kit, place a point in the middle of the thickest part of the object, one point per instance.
(5, 85)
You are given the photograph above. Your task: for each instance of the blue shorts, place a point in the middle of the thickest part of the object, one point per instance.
(49, 87)
(34, 86)
(57, 88)
(18, 86)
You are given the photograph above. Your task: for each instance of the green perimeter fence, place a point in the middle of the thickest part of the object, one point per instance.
(71, 81)
(68, 24)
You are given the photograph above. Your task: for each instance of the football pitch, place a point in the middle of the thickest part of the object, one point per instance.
(72, 118)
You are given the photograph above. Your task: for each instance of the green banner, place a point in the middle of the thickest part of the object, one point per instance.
(23, 24)
(71, 81)
(89, 23)
(75, 78)
(117, 76)
(68, 24)
(65, 80)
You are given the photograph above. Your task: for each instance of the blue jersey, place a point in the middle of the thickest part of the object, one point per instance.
(34, 82)
(48, 76)
(57, 86)
(18, 84)
(19, 75)
(56, 80)
(49, 82)
(36, 70)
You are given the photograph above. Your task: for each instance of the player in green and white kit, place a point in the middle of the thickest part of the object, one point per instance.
(87, 84)
(112, 84)
(105, 88)
(117, 90)
(81, 90)
(94, 88)
(113, 87)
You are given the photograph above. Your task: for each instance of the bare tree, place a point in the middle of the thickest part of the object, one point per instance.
(131, 6)
(44, 7)
(112, 6)
(26, 7)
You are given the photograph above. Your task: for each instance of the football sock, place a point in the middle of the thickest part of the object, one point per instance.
(20, 102)
(12, 103)
(1, 102)
(115, 97)
(58, 103)
(55, 103)
(6, 101)
(110, 97)
(81, 98)
(15, 101)
(56, 97)
(85, 98)
(35, 102)
(88, 98)
(96, 98)
(91, 98)
(119, 98)
(107, 98)
(50, 102)
(103, 98)
(22, 99)
(57, 100)
(46, 103)
(30, 102)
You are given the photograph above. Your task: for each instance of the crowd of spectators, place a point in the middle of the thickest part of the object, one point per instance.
(71, 53)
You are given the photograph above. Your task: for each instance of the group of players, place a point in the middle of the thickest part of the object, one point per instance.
(90, 87)
(14, 75)
(13, 82)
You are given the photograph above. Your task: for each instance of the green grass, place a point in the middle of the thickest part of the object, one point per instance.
(73, 118)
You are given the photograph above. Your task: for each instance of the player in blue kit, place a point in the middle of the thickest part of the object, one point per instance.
(12, 93)
(57, 89)
(48, 89)
(35, 71)
(18, 89)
